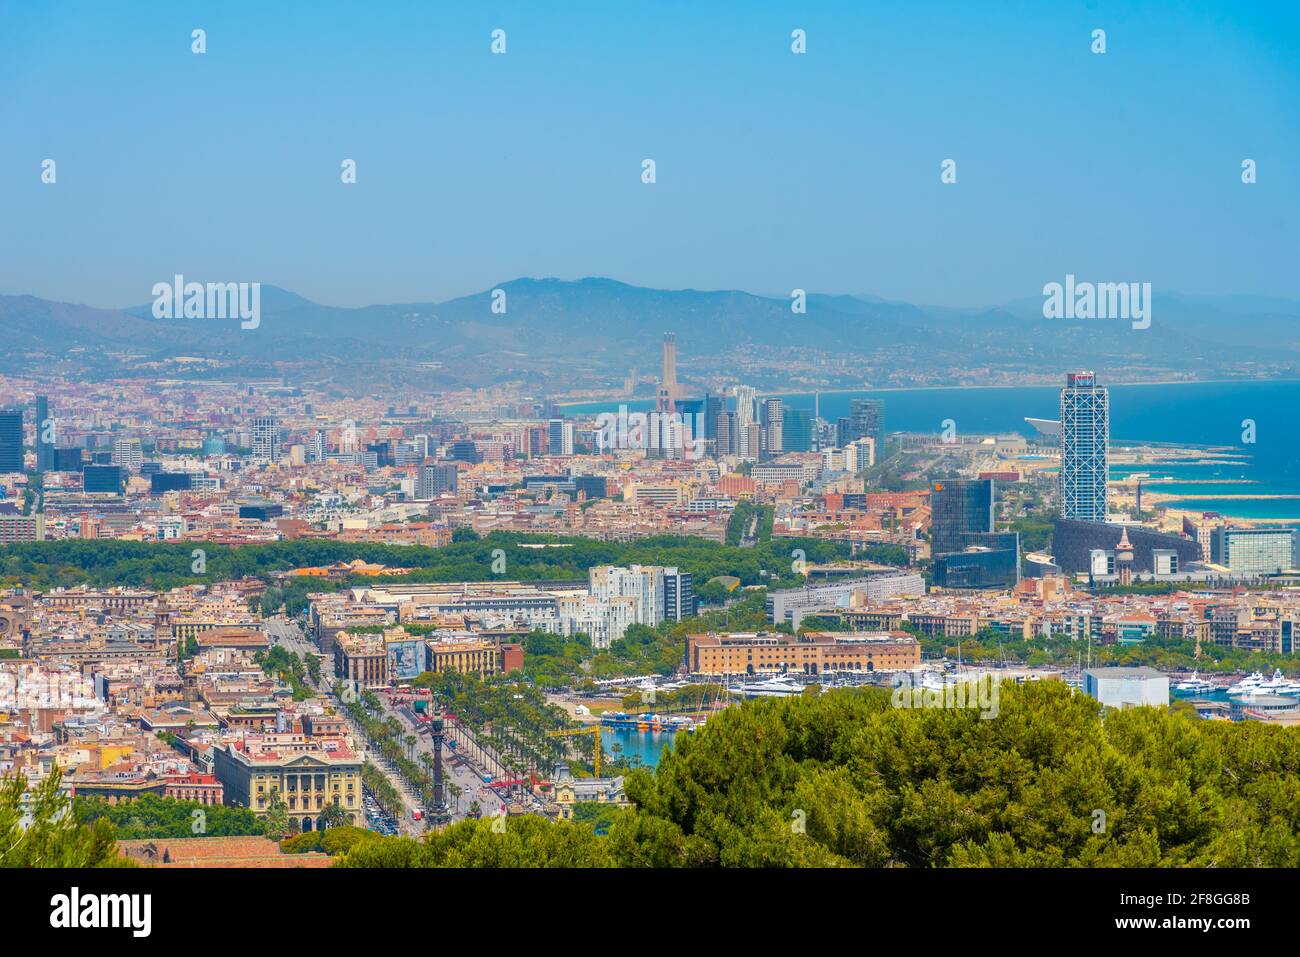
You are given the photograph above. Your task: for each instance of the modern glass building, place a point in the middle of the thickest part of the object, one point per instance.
(959, 508)
(1263, 550)
(982, 567)
(11, 440)
(796, 432)
(866, 420)
(160, 482)
(102, 479)
(1085, 448)
(44, 432)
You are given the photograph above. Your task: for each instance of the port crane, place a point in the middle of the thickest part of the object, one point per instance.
(593, 730)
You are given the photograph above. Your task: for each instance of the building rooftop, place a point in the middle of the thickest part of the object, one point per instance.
(1136, 673)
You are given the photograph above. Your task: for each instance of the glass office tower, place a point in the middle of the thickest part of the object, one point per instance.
(11, 440)
(1085, 448)
(959, 508)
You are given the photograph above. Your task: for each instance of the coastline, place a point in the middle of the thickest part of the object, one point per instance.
(937, 388)
(1130, 454)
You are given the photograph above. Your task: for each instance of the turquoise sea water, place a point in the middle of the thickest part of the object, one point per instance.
(646, 745)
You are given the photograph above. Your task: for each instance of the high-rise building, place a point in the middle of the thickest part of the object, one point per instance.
(45, 435)
(266, 438)
(1075, 543)
(797, 431)
(679, 596)
(745, 397)
(1085, 448)
(559, 435)
(432, 480)
(666, 401)
(773, 426)
(11, 440)
(161, 482)
(866, 420)
(712, 406)
(967, 552)
(128, 454)
(592, 486)
(725, 433)
(959, 508)
(661, 593)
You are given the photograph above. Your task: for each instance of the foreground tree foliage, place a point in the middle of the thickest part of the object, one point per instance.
(152, 816)
(38, 829)
(526, 841)
(333, 841)
(846, 779)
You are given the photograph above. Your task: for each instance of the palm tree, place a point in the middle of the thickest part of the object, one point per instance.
(277, 816)
(410, 740)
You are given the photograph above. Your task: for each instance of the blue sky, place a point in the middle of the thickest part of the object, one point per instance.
(775, 171)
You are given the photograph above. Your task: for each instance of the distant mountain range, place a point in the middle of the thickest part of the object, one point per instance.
(605, 327)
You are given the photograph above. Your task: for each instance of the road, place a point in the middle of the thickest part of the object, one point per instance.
(470, 784)
(285, 632)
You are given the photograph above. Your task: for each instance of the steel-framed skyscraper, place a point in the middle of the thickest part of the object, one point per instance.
(1085, 448)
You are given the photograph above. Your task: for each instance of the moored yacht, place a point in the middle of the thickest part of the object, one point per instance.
(1251, 684)
(771, 688)
(1194, 685)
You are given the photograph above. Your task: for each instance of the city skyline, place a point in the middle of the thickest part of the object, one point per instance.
(678, 437)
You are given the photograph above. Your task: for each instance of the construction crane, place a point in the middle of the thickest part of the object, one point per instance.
(593, 730)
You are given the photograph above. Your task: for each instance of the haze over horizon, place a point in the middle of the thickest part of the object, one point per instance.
(774, 171)
(863, 295)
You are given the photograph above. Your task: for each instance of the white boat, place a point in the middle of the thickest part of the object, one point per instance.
(771, 688)
(939, 681)
(1194, 685)
(1281, 685)
(1251, 684)
(1278, 684)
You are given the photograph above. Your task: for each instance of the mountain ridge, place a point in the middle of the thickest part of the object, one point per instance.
(604, 323)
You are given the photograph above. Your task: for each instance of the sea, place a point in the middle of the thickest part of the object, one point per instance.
(649, 746)
(1256, 419)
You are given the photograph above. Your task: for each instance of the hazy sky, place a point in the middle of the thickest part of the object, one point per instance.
(775, 170)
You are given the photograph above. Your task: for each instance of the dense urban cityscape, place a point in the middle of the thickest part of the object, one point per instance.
(853, 443)
(310, 619)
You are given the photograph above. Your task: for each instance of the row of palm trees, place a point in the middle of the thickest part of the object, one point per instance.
(512, 717)
(397, 748)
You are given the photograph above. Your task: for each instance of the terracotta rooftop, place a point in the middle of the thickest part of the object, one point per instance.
(216, 852)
